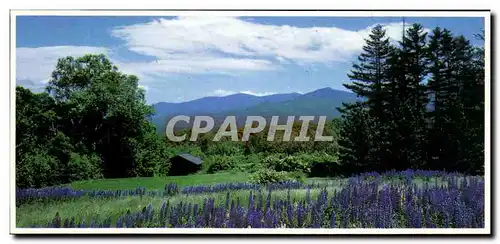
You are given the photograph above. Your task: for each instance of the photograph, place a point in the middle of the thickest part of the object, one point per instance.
(250, 122)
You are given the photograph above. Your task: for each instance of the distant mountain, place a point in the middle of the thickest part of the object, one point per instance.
(209, 105)
(322, 102)
(213, 105)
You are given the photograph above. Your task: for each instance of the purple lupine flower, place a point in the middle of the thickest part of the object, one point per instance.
(251, 201)
(308, 195)
(260, 202)
(289, 213)
(333, 220)
(300, 215)
(268, 200)
(228, 199)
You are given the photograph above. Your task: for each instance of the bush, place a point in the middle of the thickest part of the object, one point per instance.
(266, 176)
(249, 163)
(321, 164)
(272, 160)
(220, 163)
(228, 148)
(279, 162)
(298, 176)
(36, 169)
(293, 163)
(83, 167)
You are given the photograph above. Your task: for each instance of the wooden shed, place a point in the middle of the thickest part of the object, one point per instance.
(184, 164)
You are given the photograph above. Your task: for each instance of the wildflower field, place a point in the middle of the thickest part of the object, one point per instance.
(408, 199)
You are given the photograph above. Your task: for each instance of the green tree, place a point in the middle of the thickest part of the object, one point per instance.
(356, 139)
(456, 138)
(104, 110)
(408, 101)
(369, 80)
(469, 74)
(44, 154)
(439, 56)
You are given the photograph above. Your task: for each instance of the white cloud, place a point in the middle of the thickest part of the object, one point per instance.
(220, 45)
(222, 93)
(259, 94)
(37, 64)
(191, 38)
(196, 64)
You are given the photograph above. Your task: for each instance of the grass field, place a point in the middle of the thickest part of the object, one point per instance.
(90, 208)
(160, 182)
(348, 196)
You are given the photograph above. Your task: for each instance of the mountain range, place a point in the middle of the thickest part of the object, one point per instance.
(322, 102)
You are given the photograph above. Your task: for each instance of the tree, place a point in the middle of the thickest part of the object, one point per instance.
(44, 155)
(456, 139)
(369, 80)
(440, 86)
(369, 75)
(408, 100)
(104, 110)
(469, 73)
(356, 139)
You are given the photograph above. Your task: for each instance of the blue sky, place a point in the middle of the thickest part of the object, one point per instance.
(184, 58)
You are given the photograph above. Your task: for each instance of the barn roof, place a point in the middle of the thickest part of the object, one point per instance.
(190, 158)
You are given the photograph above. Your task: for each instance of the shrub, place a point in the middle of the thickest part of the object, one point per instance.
(280, 162)
(228, 148)
(249, 163)
(321, 164)
(293, 163)
(36, 169)
(220, 163)
(266, 176)
(272, 160)
(83, 167)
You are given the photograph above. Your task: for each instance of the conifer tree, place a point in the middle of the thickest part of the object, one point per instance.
(470, 106)
(456, 139)
(440, 145)
(356, 139)
(409, 69)
(369, 78)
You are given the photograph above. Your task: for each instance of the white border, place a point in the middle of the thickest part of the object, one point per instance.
(487, 26)
(328, 13)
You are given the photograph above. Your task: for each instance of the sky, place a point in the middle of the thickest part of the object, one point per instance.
(179, 59)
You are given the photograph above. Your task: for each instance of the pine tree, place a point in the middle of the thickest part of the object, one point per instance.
(440, 145)
(456, 139)
(476, 106)
(356, 139)
(412, 100)
(470, 105)
(369, 77)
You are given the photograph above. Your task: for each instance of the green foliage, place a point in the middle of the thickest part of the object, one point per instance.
(84, 167)
(250, 163)
(266, 176)
(225, 148)
(92, 121)
(356, 139)
(183, 148)
(36, 168)
(292, 163)
(394, 128)
(220, 163)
